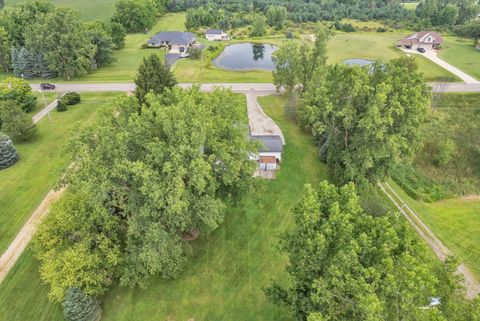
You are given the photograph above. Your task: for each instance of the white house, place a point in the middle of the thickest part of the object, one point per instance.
(216, 35)
(269, 153)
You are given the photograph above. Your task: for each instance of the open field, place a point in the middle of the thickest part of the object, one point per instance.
(89, 9)
(460, 53)
(24, 185)
(410, 5)
(229, 268)
(456, 222)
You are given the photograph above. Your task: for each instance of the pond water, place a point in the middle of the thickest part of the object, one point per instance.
(358, 62)
(246, 56)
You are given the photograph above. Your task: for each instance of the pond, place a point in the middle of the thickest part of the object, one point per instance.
(246, 56)
(358, 62)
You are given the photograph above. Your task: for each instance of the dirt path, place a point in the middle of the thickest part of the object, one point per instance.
(472, 286)
(42, 113)
(260, 124)
(18, 245)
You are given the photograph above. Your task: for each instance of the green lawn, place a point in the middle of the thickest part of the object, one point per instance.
(380, 46)
(24, 185)
(460, 53)
(456, 222)
(410, 5)
(229, 268)
(89, 9)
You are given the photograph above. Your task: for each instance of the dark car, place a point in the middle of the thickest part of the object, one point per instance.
(421, 50)
(46, 86)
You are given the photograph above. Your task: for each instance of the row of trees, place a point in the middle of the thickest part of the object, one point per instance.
(154, 171)
(447, 12)
(40, 40)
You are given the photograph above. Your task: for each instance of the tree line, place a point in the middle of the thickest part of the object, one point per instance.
(347, 262)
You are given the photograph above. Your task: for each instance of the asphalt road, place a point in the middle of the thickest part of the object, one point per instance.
(244, 88)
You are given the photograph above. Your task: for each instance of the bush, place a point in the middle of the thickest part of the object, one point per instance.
(16, 123)
(19, 90)
(195, 53)
(8, 153)
(71, 98)
(61, 105)
(79, 306)
(445, 151)
(417, 185)
(381, 29)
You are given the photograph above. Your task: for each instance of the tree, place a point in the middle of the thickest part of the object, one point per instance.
(348, 265)
(368, 120)
(18, 90)
(8, 153)
(471, 30)
(276, 17)
(5, 50)
(259, 27)
(118, 34)
(163, 173)
(63, 41)
(135, 15)
(153, 76)
(287, 66)
(78, 306)
(100, 37)
(78, 245)
(296, 64)
(29, 65)
(16, 123)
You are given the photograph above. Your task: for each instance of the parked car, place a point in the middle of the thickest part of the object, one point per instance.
(46, 86)
(421, 50)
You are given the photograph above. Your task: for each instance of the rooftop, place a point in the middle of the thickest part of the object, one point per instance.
(172, 37)
(213, 32)
(269, 144)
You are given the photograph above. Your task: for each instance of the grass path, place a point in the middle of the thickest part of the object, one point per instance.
(24, 185)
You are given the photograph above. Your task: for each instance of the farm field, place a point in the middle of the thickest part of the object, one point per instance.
(24, 185)
(410, 5)
(90, 10)
(225, 277)
(460, 53)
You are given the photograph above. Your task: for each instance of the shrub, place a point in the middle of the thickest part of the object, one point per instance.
(16, 123)
(381, 29)
(71, 98)
(8, 153)
(19, 90)
(417, 185)
(79, 306)
(195, 53)
(61, 105)
(445, 151)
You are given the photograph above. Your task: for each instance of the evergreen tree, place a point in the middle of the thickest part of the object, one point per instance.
(5, 50)
(8, 153)
(79, 306)
(153, 75)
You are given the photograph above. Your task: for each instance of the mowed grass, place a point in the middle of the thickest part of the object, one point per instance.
(380, 46)
(461, 53)
(89, 9)
(410, 5)
(24, 185)
(229, 268)
(456, 222)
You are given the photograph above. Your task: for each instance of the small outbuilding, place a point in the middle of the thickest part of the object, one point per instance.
(216, 35)
(271, 147)
(174, 41)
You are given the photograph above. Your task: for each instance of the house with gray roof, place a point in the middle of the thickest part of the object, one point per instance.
(174, 41)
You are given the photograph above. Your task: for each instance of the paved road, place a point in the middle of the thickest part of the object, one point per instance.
(433, 56)
(243, 88)
(472, 286)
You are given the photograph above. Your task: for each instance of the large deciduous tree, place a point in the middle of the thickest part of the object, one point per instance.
(99, 35)
(297, 64)
(153, 76)
(348, 265)
(15, 122)
(63, 41)
(18, 90)
(135, 16)
(153, 178)
(5, 50)
(367, 120)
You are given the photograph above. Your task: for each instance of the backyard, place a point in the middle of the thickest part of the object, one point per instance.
(461, 53)
(229, 268)
(24, 185)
